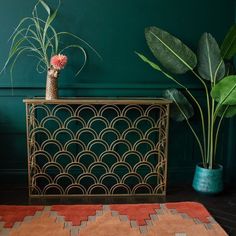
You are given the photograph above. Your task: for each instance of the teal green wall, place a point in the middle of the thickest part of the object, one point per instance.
(115, 28)
(231, 163)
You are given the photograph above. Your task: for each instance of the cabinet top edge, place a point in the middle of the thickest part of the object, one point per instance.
(99, 100)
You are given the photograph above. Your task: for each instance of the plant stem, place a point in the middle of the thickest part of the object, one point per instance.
(208, 115)
(194, 133)
(203, 150)
(217, 130)
(213, 142)
(210, 160)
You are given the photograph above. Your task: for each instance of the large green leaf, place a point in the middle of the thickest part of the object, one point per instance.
(227, 111)
(181, 109)
(228, 47)
(210, 63)
(170, 51)
(224, 92)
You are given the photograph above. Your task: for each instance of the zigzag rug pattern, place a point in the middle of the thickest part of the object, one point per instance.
(179, 219)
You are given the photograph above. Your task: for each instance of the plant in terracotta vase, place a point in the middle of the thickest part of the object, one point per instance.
(219, 86)
(37, 36)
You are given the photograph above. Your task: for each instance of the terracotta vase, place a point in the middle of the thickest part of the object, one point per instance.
(51, 85)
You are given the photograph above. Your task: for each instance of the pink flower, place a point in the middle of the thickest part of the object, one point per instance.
(58, 61)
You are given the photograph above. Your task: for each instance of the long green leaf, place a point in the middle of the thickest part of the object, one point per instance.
(170, 51)
(22, 50)
(23, 35)
(15, 47)
(40, 66)
(15, 38)
(49, 21)
(158, 68)
(210, 63)
(84, 54)
(38, 29)
(54, 39)
(46, 7)
(181, 109)
(227, 111)
(224, 92)
(32, 45)
(19, 25)
(80, 39)
(11, 55)
(228, 47)
(152, 64)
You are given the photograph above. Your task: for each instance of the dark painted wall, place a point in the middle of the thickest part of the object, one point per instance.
(115, 29)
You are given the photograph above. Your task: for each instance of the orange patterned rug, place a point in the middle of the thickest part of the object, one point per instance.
(175, 219)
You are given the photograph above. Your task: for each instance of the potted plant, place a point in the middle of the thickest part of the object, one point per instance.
(37, 36)
(219, 87)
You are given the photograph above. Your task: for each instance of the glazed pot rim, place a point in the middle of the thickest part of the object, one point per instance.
(215, 167)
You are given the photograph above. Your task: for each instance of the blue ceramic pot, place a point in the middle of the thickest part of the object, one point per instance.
(209, 181)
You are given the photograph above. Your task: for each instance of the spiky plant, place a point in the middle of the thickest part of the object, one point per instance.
(37, 37)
